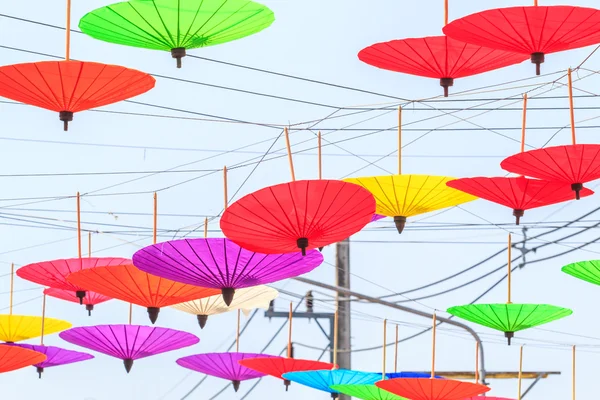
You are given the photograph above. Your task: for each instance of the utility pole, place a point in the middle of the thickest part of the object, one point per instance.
(342, 279)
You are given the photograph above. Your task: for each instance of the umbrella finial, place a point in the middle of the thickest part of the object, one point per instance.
(236, 385)
(538, 59)
(153, 314)
(128, 362)
(39, 370)
(178, 53)
(400, 223)
(446, 83)
(202, 319)
(518, 214)
(80, 294)
(228, 294)
(66, 117)
(287, 384)
(89, 308)
(302, 245)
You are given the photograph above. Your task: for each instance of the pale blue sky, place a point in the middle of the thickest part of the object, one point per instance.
(312, 39)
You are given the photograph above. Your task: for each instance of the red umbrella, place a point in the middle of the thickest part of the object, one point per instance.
(438, 57)
(534, 31)
(431, 389)
(573, 164)
(520, 193)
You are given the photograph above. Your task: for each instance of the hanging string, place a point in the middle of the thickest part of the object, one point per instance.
(320, 155)
(289, 151)
(237, 333)
(130, 312)
(384, 349)
(12, 287)
(399, 140)
(155, 219)
(225, 193)
(446, 12)
(289, 348)
(520, 371)
(477, 362)
(573, 372)
(78, 225)
(433, 346)
(396, 351)
(571, 108)
(43, 319)
(524, 122)
(205, 227)
(509, 280)
(68, 32)
(335, 338)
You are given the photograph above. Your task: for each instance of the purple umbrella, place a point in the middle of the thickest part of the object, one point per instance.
(223, 365)
(56, 356)
(129, 342)
(221, 264)
(377, 217)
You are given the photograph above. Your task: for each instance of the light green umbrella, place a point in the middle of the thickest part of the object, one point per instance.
(176, 25)
(366, 392)
(588, 271)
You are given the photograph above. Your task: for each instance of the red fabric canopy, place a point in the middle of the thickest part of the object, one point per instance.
(71, 86)
(276, 366)
(298, 215)
(520, 193)
(89, 300)
(534, 30)
(571, 164)
(431, 389)
(437, 57)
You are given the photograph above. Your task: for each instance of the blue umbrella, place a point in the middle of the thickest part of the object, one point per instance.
(323, 379)
(393, 375)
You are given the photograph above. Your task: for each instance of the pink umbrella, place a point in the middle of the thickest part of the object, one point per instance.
(56, 356)
(221, 264)
(129, 342)
(223, 365)
(54, 273)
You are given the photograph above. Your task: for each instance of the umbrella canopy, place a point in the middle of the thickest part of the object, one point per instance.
(533, 31)
(68, 87)
(588, 271)
(14, 357)
(510, 318)
(278, 366)
(223, 365)
(56, 356)
(127, 283)
(572, 164)
(366, 392)
(129, 342)
(438, 57)
(323, 379)
(176, 25)
(393, 375)
(54, 273)
(431, 389)
(403, 196)
(89, 300)
(247, 298)
(17, 328)
(221, 264)
(298, 215)
(519, 193)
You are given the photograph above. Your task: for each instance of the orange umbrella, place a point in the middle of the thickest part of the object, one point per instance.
(13, 357)
(127, 283)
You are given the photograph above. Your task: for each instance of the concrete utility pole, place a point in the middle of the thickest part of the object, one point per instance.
(342, 279)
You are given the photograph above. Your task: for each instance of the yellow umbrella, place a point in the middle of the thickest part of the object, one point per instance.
(16, 328)
(402, 196)
(245, 299)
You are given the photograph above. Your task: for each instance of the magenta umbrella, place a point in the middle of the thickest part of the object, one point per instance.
(224, 366)
(221, 264)
(129, 342)
(56, 356)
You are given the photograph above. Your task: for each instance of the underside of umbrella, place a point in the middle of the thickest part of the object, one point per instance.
(17, 328)
(278, 366)
(535, 31)
(588, 271)
(68, 87)
(438, 57)
(56, 356)
(15, 357)
(431, 389)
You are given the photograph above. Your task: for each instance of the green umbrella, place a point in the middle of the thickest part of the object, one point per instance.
(366, 392)
(510, 318)
(588, 271)
(176, 25)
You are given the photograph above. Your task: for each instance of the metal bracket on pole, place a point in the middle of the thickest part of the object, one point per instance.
(370, 299)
